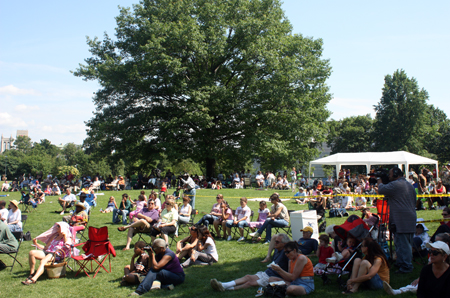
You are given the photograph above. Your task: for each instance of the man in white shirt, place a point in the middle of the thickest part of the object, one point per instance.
(241, 219)
(259, 179)
(68, 200)
(189, 188)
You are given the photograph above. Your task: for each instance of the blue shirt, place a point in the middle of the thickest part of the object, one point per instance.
(307, 246)
(278, 258)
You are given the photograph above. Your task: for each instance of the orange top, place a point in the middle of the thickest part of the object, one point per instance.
(308, 270)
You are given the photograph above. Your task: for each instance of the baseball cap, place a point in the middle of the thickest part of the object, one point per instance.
(307, 229)
(439, 245)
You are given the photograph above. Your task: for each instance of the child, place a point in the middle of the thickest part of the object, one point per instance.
(140, 204)
(346, 251)
(323, 252)
(176, 193)
(136, 271)
(420, 240)
(301, 194)
(163, 189)
(111, 205)
(262, 216)
(242, 216)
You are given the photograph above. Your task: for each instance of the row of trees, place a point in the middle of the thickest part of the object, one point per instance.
(404, 121)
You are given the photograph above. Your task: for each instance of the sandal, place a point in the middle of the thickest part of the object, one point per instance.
(121, 229)
(28, 282)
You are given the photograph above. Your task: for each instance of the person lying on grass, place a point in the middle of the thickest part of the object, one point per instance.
(261, 278)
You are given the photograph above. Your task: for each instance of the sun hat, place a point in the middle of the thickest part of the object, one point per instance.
(329, 229)
(81, 205)
(439, 245)
(15, 203)
(307, 229)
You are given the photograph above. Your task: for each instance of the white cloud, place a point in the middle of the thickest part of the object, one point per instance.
(12, 90)
(25, 108)
(10, 121)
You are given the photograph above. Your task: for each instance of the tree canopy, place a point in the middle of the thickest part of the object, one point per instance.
(209, 80)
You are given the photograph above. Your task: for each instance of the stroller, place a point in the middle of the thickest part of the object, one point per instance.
(354, 226)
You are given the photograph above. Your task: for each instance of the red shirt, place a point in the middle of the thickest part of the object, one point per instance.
(325, 252)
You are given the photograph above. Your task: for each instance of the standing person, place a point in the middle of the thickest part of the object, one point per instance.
(124, 209)
(293, 178)
(165, 269)
(401, 198)
(278, 217)
(241, 220)
(189, 188)
(434, 278)
(445, 177)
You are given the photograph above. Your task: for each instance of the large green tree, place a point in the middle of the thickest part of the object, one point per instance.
(207, 80)
(400, 121)
(352, 134)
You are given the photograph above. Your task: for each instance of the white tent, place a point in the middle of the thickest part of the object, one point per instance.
(374, 158)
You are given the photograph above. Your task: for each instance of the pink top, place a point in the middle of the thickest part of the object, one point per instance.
(58, 244)
(140, 205)
(262, 216)
(229, 212)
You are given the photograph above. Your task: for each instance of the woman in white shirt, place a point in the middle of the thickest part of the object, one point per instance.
(184, 213)
(14, 220)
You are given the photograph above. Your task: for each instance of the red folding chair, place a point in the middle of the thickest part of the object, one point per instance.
(96, 250)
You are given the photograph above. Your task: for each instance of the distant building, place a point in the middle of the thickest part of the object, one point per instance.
(7, 143)
(23, 133)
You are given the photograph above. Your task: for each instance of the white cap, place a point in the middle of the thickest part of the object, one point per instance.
(439, 245)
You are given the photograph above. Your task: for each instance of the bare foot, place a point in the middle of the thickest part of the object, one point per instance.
(265, 260)
(193, 255)
(125, 248)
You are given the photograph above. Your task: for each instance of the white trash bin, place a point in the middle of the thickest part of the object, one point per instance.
(301, 219)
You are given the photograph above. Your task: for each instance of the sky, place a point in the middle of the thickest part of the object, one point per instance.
(41, 42)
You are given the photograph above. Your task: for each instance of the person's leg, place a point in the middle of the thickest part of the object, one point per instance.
(124, 217)
(40, 269)
(274, 223)
(269, 251)
(216, 227)
(363, 269)
(34, 255)
(228, 225)
(246, 282)
(115, 217)
(129, 237)
(224, 228)
(403, 249)
(146, 284)
(295, 291)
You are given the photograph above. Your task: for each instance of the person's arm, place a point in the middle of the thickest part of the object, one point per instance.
(190, 245)
(318, 251)
(116, 205)
(132, 261)
(277, 212)
(179, 243)
(159, 265)
(299, 265)
(372, 271)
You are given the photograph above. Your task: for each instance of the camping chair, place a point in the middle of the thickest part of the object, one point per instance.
(247, 182)
(97, 249)
(287, 229)
(25, 202)
(20, 238)
(235, 229)
(181, 227)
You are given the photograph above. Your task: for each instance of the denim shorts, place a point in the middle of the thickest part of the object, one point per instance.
(375, 283)
(307, 284)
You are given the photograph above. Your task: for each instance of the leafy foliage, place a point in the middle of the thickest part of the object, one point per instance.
(352, 134)
(207, 80)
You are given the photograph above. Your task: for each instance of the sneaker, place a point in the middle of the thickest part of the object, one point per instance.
(331, 260)
(267, 242)
(241, 239)
(229, 238)
(135, 294)
(170, 287)
(338, 256)
(255, 234)
(156, 285)
(217, 285)
(387, 287)
(62, 213)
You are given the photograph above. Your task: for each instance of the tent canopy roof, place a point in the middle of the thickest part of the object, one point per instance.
(374, 158)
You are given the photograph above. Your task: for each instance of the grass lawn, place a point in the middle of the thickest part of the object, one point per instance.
(235, 259)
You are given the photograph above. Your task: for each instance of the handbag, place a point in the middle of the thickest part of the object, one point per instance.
(59, 269)
(275, 290)
(27, 236)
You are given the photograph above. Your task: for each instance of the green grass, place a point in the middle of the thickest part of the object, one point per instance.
(236, 259)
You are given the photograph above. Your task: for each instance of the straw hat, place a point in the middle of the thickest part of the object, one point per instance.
(81, 205)
(15, 203)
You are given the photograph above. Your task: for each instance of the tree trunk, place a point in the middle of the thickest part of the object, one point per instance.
(210, 167)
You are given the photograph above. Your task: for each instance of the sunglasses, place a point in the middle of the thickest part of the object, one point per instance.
(286, 252)
(277, 242)
(444, 214)
(435, 252)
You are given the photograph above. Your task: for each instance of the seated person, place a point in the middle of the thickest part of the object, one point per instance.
(8, 242)
(227, 214)
(124, 209)
(261, 278)
(262, 216)
(186, 245)
(55, 190)
(371, 271)
(14, 219)
(78, 220)
(3, 212)
(140, 204)
(300, 276)
(95, 185)
(91, 198)
(113, 184)
(278, 217)
(347, 202)
(306, 244)
(27, 199)
(39, 196)
(142, 222)
(260, 179)
(336, 239)
(121, 183)
(56, 238)
(241, 219)
(48, 190)
(346, 251)
(184, 214)
(67, 201)
(164, 267)
(5, 186)
(445, 225)
(167, 221)
(420, 240)
(215, 213)
(323, 252)
(302, 196)
(137, 270)
(206, 251)
(111, 205)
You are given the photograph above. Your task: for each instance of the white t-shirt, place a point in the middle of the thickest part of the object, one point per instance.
(13, 216)
(211, 249)
(70, 198)
(242, 212)
(260, 177)
(158, 204)
(346, 202)
(4, 214)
